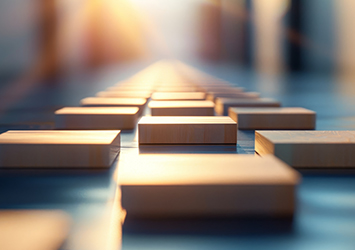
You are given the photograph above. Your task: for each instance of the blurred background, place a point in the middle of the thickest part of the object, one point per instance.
(78, 47)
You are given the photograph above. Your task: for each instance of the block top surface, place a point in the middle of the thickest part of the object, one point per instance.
(104, 137)
(204, 169)
(97, 110)
(244, 100)
(276, 110)
(144, 94)
(181, 104)
(178, 95)
(308, 137)
(113, 101)
(186, 120)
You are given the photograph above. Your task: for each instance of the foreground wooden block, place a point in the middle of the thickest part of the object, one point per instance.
(273, 118)
(183, 96)
(125, 94)
(173, 185)
(187, 130)
(181, 108)
(33, 229)
(96, 118)
(45, 148)
(309, 149)
(212, 96)
(223, 104)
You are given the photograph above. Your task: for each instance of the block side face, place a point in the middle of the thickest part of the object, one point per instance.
(54, 155)
(263, 146)
(187, 134)
(208, 111)
(202, 200)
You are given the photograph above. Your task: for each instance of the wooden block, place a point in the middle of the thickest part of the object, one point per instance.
(187, 130)
(223, 104)
(96, 118)
(126, 94)
(212, 96)
(45, 148)
(309, 149)
(176, 89)
(175, 96)
(33, 229)
(113, 102)
(273, 118)
(181, 108)
(164, 185)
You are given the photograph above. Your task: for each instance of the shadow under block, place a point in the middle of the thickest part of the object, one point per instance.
(273, 118)
(96, 118)
(33, 229)
(174, 185)
(55, 148)
(187, 130)
(181, 108)
(309, 149)
(172, 96)
(126, 94)
(223, 104)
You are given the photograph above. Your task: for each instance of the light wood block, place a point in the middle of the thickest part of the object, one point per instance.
(176, 89)
(125, 94)
(181, 108)
(223, 104)
(212, 96)
(45, 148)
(96, 118)
(163, 185)
(187, 130)
(273, 118)
(175, 96)
(309, 149)
(113, 102)
(33, 229)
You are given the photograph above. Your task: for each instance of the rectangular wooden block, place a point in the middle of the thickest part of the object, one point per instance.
(96, 118)
(181, 108)
(309, 149)
(173, 185)
(126, 94)
(45, 148)
(273, 118)
(187, 130)
(175, 96)
(212, 96)
(223, 104)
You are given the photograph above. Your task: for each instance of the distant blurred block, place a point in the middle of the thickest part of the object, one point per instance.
(176, 89)
(45, 148)
(131, 88)
(176, 96)
(199, 185)
(223, 104)
(187, 130)
(33, 229)
(96, 118)
(273, 118)
(181, 108)
(212, 96)
(309, 149)
(114, 102)
(125, 94)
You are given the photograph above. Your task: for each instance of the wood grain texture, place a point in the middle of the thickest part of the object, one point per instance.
(212, 96)
(223, 104)
(174, 96)
(187, 130)
(33, 229)
(45, 148)
(309, 149)
(96, 118)
(273, 118)
(181, 108)
(127, 94)
(206, 185)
